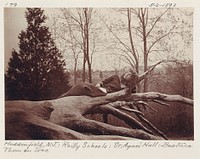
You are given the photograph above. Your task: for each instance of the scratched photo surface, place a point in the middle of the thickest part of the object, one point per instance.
(98, 74)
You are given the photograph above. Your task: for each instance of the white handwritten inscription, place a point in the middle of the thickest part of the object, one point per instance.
(46, 146)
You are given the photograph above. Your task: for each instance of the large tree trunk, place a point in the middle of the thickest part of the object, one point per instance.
(26, 120)
(63, 118)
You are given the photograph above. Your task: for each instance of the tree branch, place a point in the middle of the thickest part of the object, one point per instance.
(156, 22)
(123, 44)
(126, 56)
(162, 103)
(150, 96)
(145, 74)
(152, 126)
(131, 110)
(95, 127)
(169, 32)
(146, 105)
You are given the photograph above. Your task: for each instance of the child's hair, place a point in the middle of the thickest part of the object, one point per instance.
(129, 78)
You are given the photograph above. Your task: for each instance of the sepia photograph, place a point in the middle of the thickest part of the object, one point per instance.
(99, 73)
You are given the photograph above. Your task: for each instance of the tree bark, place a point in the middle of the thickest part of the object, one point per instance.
(63, 118)
(144, 36)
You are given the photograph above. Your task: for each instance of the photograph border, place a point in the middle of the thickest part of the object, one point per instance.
(191, 148)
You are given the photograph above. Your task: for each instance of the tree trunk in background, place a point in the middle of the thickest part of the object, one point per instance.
(86, 32)
(144, 35)
(136, 65)
(83, 74)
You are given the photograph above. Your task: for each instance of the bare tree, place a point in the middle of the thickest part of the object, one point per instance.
(78, 22)
(150, 32)
(143, 16)
(75, 31)
(65, 36)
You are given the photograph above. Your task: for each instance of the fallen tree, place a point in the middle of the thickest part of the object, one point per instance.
(64, 118)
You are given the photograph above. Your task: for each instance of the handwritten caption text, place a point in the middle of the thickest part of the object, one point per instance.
(46, 147)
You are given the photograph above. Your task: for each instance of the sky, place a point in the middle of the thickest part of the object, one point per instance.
(14, 23)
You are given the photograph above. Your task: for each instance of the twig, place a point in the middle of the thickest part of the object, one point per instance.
(152, 126)
(147, 105)
(131, 110)
(142, 118)
(145, 74)
(162, 103)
